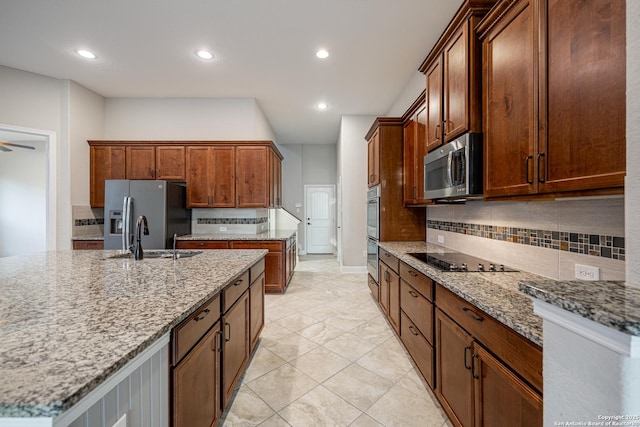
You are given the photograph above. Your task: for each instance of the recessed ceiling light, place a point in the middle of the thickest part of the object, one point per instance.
(204, 54)
(86, 54)
(322, 106)
(322, 54)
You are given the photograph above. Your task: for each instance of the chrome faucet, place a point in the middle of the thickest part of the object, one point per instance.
(138, 253)
(175, 254)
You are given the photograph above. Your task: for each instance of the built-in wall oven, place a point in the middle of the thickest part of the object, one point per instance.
(373, 230)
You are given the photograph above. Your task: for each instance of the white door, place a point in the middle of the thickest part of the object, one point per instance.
(320, 216)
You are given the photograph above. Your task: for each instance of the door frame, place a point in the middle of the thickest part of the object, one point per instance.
(51, 185)
(333, 201)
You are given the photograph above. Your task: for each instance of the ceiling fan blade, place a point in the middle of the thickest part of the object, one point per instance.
(28, 147)
(3, 148)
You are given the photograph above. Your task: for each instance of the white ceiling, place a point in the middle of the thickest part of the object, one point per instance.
(265, 49)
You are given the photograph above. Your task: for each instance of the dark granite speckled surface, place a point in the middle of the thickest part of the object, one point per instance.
(496, 294)
(72, 318)
(612, 304)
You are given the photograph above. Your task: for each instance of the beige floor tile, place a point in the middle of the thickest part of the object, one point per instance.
(296, 322)
(262, 362)
(402, 408)
(320, 363)
(358, 386)
(272, 332)
(350, 346)
(322, 312)
(365, 420)
(320, 407)
(275, 421)
(388, 360)
(292, 346)
(414, 383)
(247, 409)
(282, 386)
(321, 332)
(376, 330)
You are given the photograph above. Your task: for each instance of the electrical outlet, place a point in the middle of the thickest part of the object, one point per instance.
(587, 272)
(364, 254)
(122, 422)
(223, 228)
(440, 238)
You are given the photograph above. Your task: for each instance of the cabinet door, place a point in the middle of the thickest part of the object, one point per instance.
(256, 310)
(434, 105)
(170, 162)
(223, 178)
(275, 179)
(510, 112)
(456, 84)
(409, 160)
(106, 163)
(373, 162)
(252, 183)
(274, 272)
(198, 177)
(585, 96)
(235, 351)
(384, 274)
(141, 162)
(454, 382)
(394, 300)
(196, 384)
(420, 152)
(501, 398)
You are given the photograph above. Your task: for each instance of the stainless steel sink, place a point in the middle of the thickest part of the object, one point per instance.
(157, 254)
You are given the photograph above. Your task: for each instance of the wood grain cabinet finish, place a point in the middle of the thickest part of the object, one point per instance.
(141, 162)
(252, 177)
(373, 159)
(390, 288)
(171, 162)
(235, 346)
(106, 162)
(256, 310)
(453, 71)
(202, 244)
(276, 280)
(554, 85)
(414, 150)
(88, 244)
(210, 176)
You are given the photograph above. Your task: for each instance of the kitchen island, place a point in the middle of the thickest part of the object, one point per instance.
(73, 320)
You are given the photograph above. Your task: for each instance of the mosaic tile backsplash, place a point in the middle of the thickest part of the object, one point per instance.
(261, 220)
(587, 244)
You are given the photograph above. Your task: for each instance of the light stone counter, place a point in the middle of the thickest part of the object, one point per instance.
(496, 294)
(70, 319)
(267, 235)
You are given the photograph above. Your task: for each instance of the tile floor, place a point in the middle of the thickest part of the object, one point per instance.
(327, 357)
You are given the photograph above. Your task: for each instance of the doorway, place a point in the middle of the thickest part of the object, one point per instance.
(27, 191)
(320, 207)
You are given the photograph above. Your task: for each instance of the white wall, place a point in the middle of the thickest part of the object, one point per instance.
(414, 87)
(185, 119)
(352, 174)
(23, 195)
(632, 185)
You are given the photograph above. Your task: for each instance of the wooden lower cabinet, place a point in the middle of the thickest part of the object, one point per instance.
(202, 244)
(196, 384)
(418, 347)
(390, 289)
(256, 309)
(235, 346)
(374, 287)
(88, 244)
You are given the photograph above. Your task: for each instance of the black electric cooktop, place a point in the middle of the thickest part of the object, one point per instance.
(460, 263)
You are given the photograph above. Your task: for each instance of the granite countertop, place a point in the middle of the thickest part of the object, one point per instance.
(267, 235)
(612, 304)
(90, 237)
(70, 319)
(497, 294)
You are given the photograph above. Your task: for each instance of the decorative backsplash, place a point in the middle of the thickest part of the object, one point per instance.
(87, 221)
(260, 220)
(229, 221)
(581, 243)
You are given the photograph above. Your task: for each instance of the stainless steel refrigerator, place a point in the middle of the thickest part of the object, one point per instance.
(162, 202)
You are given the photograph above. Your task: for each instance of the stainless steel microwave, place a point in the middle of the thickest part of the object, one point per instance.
(454, 171)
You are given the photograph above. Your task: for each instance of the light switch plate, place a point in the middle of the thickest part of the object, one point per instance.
(587, 272)
(440, 238)
(223, 228)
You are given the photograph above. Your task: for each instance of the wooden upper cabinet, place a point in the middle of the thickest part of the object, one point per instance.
(373, 159)
(275, 172)
(106, 162)
(141, 162)
(409, 158)
(252, 182)
(453, 71)
(170, 162)
(583, 96)
(223, 181)
(554, 97)
(510, 108)
(414, 150)
(199, 175)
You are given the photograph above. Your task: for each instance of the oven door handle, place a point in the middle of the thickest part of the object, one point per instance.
(449, 169)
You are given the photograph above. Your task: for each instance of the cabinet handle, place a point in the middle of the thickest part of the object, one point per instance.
(201, 316)
(471, 314)
(467, 367)
(444, 128)
(220, 336)
(413, 194)
(473, 366)
(412, 273)
(228, 325)
(437, 131)
(238, 282)
(413, 331)
(526, 165)
(386, 276)
(540, 176)
(413, 294)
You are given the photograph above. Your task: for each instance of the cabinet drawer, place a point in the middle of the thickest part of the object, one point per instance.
(418, 309)
(88, 244)
(419, 281)
(256, 270)
(273, 246)
(233, 291)
(202, 244)
(390, 260)
(374, 288)
(189, 332)
(519, 353)
(418, 347)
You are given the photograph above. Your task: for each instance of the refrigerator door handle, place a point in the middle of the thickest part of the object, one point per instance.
(123, 228)
(126, 240)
